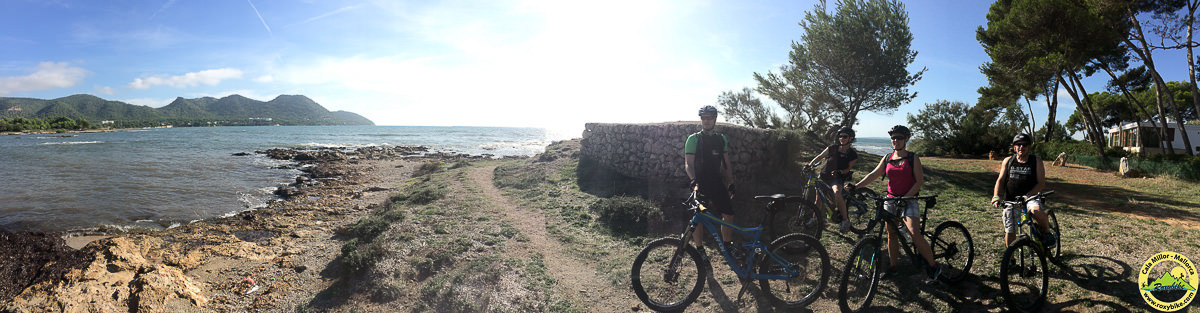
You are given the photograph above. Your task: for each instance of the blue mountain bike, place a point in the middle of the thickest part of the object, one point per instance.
(669, 274)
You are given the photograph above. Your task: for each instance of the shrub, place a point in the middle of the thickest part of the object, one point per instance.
(358, 256)
(427, 168)
(626, 215)
(423, 194)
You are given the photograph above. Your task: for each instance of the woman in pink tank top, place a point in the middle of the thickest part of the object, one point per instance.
(905, 176)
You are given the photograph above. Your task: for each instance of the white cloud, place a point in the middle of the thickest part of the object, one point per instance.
(205, 77)
(105, 90)
(47, 75)
(265, 79)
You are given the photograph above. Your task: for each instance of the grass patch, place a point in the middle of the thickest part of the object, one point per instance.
(625, 215)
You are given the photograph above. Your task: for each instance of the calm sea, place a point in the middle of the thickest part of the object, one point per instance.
(873, 145)
(160, 178)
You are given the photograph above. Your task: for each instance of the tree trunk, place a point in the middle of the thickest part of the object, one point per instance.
(1144, 54)
(1052, 102)
(1032, 119)
(1085, 111)
(1140, 113)
(1191, 62)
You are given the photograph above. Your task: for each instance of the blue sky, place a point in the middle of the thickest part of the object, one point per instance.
(553, 64)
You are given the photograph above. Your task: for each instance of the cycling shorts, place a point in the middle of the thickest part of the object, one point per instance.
(1012, 215)
(716, 200)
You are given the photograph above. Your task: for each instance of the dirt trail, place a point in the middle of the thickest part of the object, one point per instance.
(577, 279)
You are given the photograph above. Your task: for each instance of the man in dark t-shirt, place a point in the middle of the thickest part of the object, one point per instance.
(1021, 174)
(706, 162)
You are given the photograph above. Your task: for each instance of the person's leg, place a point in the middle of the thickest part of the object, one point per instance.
(1043, 221)
(726, 232)
(914, 231)
(1010, 225)
(893, 241)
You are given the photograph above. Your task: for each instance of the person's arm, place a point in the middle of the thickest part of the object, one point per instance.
(1000, 181)
(819, 157)
(689, 165)
(874, 174)
(918, 176)
(848, 168)
(1041, 179)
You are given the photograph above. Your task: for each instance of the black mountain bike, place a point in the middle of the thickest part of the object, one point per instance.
(811, 218)
(1024, 273)
(669, 274)
(951, 244)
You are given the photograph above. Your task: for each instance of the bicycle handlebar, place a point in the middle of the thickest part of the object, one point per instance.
(1023, 199)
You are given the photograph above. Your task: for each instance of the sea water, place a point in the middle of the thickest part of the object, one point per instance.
(165, 177)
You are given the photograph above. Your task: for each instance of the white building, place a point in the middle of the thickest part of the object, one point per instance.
(1128, 134)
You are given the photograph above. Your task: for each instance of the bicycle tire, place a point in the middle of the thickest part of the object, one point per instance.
(797, 249)
(1057, 251)
(860, 223)
(659, 286)
(1024, 260)
(953, 249)
(863, 265)
(808, 220)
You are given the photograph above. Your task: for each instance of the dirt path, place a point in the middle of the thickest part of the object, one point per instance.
(577, 279)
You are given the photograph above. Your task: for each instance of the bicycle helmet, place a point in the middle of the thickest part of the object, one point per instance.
(708, 109)
(900, 129)
(846, 130)
(1022, 137)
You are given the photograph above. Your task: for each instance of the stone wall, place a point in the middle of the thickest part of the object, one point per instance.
(655, 151)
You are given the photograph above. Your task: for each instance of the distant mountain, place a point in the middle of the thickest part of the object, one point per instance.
(231, 110)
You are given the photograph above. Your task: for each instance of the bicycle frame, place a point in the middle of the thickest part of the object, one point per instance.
(753, 248)
(822, 192)
(1028, 222)
(882, 215)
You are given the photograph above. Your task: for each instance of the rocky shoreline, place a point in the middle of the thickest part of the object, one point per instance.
(289, 247)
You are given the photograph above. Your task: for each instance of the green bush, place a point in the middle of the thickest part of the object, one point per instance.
(518, 176)
(358, 256)
(427, 168)
(370, 227)
(626, 215)
(423, 194)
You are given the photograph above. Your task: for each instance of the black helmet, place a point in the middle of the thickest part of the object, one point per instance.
(1022, 137)
(900, 129)
(846, 130)
(708, 109)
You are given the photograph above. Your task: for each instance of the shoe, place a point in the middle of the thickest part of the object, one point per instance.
(934, 272)
(1050, 240)
(889, 273)
(845, 226)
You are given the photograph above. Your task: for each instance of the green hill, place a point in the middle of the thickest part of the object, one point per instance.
(231, 110)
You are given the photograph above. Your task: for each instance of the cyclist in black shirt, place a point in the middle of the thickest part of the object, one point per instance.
(1021, 174)
(839, 159)
(706, 162)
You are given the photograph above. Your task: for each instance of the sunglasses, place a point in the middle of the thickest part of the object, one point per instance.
(843, 137)
(899, 138)
(1021, 144)
(708, 118)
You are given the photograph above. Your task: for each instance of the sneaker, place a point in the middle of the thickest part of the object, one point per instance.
(845, 226)
(889, 273)
(934, 272)
(1050, 240)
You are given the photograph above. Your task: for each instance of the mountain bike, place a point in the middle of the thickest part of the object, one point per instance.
(1023, 271)
(810, 218)
(951, 244)
(792, 271)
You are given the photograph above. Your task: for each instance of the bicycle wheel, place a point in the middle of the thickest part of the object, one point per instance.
(1023, 276)
(665, 281)
(804, 254)
(1055, 252)
(953, 249)
(858, 208)
(808, 220)
(860, 276)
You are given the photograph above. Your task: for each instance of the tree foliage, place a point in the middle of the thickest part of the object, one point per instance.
(852, 60)
(953, 127)
(21, 124)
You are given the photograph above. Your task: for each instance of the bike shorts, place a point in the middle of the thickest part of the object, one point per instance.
(911, 208)
(717, 201)
(1012, 215)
